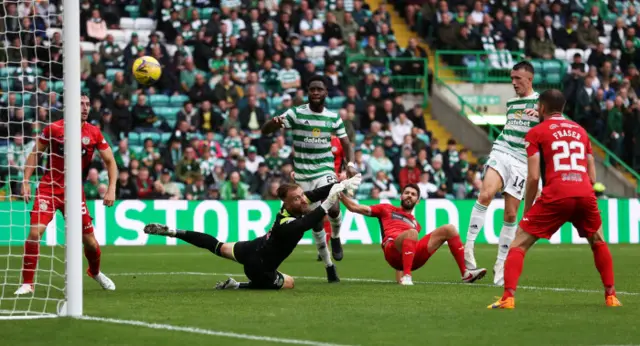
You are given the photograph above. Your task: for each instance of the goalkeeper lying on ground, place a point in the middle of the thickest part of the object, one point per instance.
(262, 256)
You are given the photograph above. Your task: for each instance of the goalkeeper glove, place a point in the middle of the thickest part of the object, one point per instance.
(352, 183)
(332, 198)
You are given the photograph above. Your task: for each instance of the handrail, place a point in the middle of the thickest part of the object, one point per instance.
(494, 132)
(609, 154)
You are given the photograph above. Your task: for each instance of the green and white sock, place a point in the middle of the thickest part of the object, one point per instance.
(475, 223)
(507, 234)
(320, 238)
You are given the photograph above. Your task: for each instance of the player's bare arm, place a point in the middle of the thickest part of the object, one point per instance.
(30, 166)
(355, 207)
(533, 177)
(591, 169)
(273, 125)
(112, 170)
(349, 156)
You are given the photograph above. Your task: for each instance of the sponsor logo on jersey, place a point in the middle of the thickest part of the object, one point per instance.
(397, 216)
(553, 126)
(316, 140)
(86, 140)
(525, 123)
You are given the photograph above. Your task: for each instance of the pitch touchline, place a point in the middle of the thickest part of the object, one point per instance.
(535, 288)
(206, 331)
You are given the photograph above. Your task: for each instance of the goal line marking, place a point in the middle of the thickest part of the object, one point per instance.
(201, 331)
(440, 283)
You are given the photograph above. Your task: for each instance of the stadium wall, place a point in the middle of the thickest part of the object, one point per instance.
(122, 224)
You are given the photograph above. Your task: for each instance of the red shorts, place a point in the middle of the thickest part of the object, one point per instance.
(394, 257)
(545, 218)
(46, 204)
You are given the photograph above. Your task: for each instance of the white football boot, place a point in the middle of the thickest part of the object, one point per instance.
(104, 281)
(25, 289)
(473, 275)
(406, 280)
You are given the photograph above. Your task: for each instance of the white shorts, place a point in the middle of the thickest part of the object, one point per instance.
(318, 183)
(512, 172)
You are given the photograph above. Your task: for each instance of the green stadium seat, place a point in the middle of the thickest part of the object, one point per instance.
(365, 189)
(181, 187)
(537, 65)
(335, 102)
(133, 10)
(134, 99)
(551, 66)
(171, 123)
(136, 148)
(155, 137)
(218, 138)
(553, 78)
(58, 86)
(191, 136)
(4, 72)
(134, 138)
(205, 13)
(158, 100)
(359, 138)
(111, 73)
(165, 137)
(4, 84)
(178, 100)
(26, 98)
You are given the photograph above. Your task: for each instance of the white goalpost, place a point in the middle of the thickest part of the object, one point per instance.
(25, 109)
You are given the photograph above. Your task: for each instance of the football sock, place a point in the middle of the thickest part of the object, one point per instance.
(30, 261)
(512, 271)
(476, 222)
(201, 240)
(507, 234)
(457, 250)
(408, 253)
(336, 223)
(604, 263)
(320, 238)
(327, 230)
(93, 257)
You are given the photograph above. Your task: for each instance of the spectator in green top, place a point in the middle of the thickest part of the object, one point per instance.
(273, 159)
(189, 167)
(92, 184)
(234, 189)
(143, 115)
(188, 75)
(196, 191)
(614, 122)
(123, 155)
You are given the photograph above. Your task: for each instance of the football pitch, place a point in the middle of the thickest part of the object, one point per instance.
(165, 296)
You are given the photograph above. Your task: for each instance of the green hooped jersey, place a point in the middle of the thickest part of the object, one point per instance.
(511, 140)
(312, 132)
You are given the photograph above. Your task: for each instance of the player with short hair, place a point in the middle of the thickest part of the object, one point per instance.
(262, 256)
(50, 194)
(402, 249)
(559, 152)
(506, 168)
(312, 125)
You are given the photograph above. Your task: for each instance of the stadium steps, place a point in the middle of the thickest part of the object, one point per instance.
(440, 132)
(597, 150)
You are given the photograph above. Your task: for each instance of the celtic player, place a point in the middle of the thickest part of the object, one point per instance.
(506, 168)
(312, 125)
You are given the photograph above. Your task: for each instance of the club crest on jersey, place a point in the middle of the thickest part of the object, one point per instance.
(316, 132)
(86, 140)
(44, 205)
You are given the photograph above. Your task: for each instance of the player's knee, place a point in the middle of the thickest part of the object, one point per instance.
(485, 197)
(510, 215)
(450, 231)
(334, 211)
(36, 231)
(89, 241)
(595, 239)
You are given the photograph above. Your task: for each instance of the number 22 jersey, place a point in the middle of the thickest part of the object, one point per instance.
(564, 147)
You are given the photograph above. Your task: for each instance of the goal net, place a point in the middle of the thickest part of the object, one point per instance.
(33, 96)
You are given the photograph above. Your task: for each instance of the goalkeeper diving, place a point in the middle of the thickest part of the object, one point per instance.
(262, 256)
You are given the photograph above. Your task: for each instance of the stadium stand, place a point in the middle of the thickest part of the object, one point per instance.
(230, 65)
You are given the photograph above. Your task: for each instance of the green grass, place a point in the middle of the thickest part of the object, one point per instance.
(437, 311)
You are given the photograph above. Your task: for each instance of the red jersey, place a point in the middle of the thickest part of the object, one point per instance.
(393, 220)
(563, 147)
(338, 154)
(53, 136)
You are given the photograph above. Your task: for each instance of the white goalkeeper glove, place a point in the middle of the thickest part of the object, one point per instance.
(352, 183)
(332, 198)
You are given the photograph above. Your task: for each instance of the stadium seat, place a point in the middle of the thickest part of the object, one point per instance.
(111, 73)
(145, 24)
(181, 187)
(553, 78)
(155, 137)
(171, 123)
(191, 136)
(51, 31)
(134, 138)
(607, 29)
(359, 138)
(573, 51)
(178, 100)
(551, 66)
(58, 86)
(218, 138)
(133, 10)
(158, 100)
(88, 47)
(537, 78)
(335, 102)
(587, 54)
(165, 137)
(118, 35)
(127, 23)
(560, 54)
(605, 40)
(136, 148)
(171, 49)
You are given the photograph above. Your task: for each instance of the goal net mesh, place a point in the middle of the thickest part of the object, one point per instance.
(31, 83)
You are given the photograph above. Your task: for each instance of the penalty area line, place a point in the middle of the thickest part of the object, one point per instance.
(209, 332)
(436, 283)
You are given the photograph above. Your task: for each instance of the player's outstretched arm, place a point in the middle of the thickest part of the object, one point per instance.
(312, 219)
(349, 156)
(533, 177)
(273, 125)
(319, 194)
(30, 166)
(355, 207)
(112, 170)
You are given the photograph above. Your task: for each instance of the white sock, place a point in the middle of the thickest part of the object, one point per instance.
(475, 223)
(507, 234)
(335, 225)
(320, 239)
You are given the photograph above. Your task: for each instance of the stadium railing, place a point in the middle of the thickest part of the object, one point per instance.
(475, 67)
(402, 83)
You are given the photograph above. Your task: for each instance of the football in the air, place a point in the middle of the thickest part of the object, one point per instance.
(147, 70)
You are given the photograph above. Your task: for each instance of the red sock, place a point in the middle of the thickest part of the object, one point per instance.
(30, 260)
(93, 257)
(604, 263)
(408, 253)
(327, 229)
(512, 270)
(457, 250)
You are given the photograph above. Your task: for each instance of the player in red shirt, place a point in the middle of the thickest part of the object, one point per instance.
(50, 194)
(559, 151)
(402, 249)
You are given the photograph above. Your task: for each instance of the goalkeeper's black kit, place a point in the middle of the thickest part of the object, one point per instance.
(262, 256)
